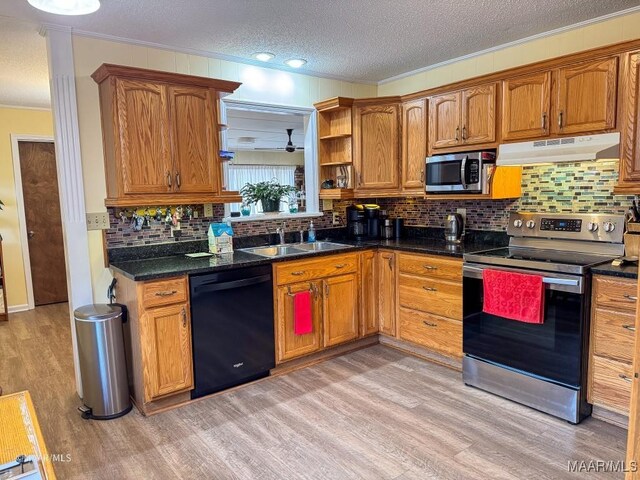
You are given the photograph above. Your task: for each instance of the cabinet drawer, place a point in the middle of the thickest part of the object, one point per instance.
(612, 335)
(164, 292)
(432, 296)
(300, 271)
(611, 384)
(431, 266)
(436, 333)
(616, 293)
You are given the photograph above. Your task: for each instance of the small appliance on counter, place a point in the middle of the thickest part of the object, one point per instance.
(363, 221)
(454, 228)
(398, 225)
(386, 229)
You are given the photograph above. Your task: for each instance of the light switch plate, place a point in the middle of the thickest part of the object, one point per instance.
(98, 221)
(208, 210)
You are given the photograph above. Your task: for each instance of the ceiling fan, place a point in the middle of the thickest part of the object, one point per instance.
(290, 147)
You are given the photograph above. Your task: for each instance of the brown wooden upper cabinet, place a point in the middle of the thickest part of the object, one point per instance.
(414, 145)
(160, 135)
(629, 181)
(586, 97)
(583, 101)
(463, 118)
(376, 147)
(526, 106)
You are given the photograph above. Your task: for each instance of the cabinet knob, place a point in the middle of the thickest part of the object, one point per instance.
(341, 265)
(544, 120)
(560, 119)
(430, 267)
(169, 179)
(178, 179)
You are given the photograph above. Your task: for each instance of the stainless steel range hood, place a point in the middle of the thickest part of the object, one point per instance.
(568, 149)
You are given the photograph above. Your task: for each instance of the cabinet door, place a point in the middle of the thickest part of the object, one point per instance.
(387, 292)
(368, 294)
(143, 125)
(526, 104)
(479, 114)
(377, 155)
(340, 309)
(586, 100)
(165, 336)
(630, 123)
(289, 345)
(444, 120)
(194, 139)
(414, 144)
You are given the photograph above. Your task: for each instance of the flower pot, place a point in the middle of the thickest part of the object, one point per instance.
(270, 205)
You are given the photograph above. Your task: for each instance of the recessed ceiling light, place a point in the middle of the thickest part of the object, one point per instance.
(66, 7)
(263, 56)
(296, 62)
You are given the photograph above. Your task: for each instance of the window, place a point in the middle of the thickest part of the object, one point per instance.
(266, 151)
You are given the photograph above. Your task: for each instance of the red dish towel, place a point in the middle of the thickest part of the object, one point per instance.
(302, 323)
(515, 296)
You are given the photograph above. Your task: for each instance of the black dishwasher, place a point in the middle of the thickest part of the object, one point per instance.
(232, 328)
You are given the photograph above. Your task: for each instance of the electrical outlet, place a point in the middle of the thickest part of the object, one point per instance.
(336, 218)
(98, 221)
(208, 210)
(327, 205)
(195, 214)
(463, 212)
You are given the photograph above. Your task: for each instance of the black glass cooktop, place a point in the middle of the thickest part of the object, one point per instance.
(540, 259)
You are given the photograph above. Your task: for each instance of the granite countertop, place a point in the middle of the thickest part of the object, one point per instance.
(179, 264)
(628, 270)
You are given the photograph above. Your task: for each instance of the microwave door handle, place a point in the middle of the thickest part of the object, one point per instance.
(463, 172)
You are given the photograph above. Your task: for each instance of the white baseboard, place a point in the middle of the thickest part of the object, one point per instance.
(18, 308)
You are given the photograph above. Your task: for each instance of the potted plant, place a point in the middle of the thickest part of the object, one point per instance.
(268, 193)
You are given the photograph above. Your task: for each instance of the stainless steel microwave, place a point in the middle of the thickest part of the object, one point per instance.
(458, 172)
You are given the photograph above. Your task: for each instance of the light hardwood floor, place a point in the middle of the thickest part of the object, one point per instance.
(375, 413)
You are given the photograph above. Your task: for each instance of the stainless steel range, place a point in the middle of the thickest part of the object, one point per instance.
(541, 365)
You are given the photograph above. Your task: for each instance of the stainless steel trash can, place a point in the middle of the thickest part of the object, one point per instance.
(105, 388)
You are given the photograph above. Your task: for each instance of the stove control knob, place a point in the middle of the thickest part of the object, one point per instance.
(531, 224)
(609, 227)
(517, 223)
(592, 226)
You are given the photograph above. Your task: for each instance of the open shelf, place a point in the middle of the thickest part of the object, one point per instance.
(333, 136)
(336, 164)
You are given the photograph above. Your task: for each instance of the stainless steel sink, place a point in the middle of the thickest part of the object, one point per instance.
(294, 249)
(321, 246)
(274, 251)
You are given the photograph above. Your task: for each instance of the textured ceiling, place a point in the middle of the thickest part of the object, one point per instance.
(24, 76)
(359, 40)
(268, 130)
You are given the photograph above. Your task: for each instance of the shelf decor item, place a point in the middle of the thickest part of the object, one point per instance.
(268, 193)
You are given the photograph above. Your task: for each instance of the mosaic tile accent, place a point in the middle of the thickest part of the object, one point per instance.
(572, 187)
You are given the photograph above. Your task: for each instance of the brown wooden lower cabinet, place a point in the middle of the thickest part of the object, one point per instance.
(333, 284)
(439, 334)
(158, 341)
(368, 293)
(386, 269)
(611, 343)
(165, 336)
(288, 344)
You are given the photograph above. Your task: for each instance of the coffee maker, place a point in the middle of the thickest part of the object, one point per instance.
(363, 221)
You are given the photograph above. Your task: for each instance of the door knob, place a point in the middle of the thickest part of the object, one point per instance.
(31, 233)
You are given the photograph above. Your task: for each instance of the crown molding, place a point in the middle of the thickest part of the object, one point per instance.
(23, 107)
(514, 43)
(48, 27)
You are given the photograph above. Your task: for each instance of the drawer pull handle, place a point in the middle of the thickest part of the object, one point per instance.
(184, 318)
(632, 298)
(430, 267)
(429, 324)
(312, 290)
(297, 274)
(631, 328)
(166, 293)
(430, 289)
(341, 265)
(625, 378)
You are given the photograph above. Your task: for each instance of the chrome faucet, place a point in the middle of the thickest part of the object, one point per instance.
(280, 232)
(301, 236)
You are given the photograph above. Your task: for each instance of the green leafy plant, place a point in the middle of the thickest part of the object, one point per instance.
(269, 193)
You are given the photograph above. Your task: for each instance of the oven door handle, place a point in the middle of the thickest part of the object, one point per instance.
(555, 283)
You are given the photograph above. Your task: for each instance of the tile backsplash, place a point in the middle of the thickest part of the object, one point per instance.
(570, 187)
